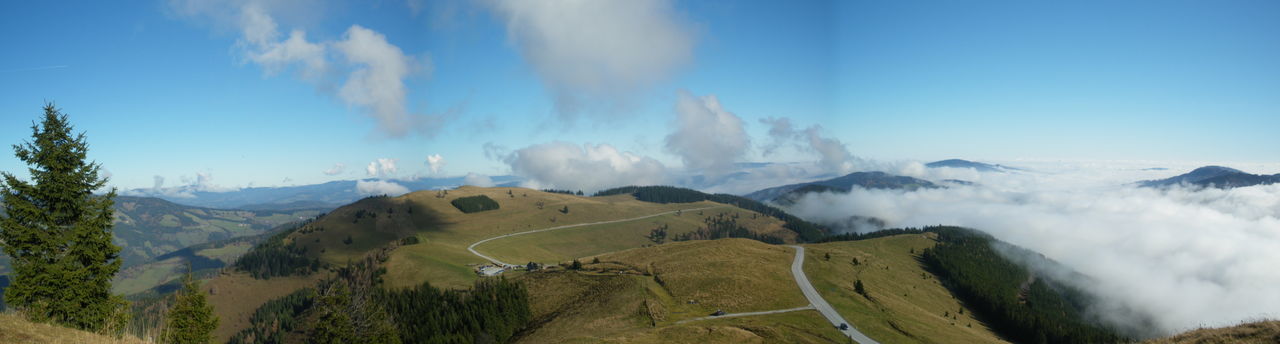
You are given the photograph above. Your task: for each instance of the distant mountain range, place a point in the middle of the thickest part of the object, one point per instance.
(1216, 177)
(981, 167)
(325, 195)
(869, 180)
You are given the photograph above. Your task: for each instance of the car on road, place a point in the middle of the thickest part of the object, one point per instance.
(843, 327)
(717, 313)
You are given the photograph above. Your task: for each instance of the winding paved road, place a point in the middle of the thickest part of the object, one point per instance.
(472, 248)
(816, 300)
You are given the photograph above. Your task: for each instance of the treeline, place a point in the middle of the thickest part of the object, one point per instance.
(567, 192)
(276, 318)
(876, 234)
(274, 258)
(493, 311)
(354, 307)
(807, 231)
(474, 204)
(721, 226)
(1017, 304)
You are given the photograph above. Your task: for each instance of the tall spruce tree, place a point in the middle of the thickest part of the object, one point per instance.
(57, 233)
(191, 318)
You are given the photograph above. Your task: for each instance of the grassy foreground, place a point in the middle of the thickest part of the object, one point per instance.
(15, 329)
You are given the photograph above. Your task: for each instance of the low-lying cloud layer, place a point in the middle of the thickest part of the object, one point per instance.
(380, 187)
(563, 165)
(1184, 257)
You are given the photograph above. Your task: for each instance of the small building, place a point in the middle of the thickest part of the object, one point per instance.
(489, 270)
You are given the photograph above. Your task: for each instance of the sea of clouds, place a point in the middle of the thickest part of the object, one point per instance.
(1161, 260)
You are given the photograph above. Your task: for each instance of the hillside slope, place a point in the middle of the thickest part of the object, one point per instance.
(15, 329)
(651, 295)
(1216, 177)
(908, 304)
(1255, 332)
(868, 180)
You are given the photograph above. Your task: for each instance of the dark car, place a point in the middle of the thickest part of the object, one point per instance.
(844, 327)
(717, 313)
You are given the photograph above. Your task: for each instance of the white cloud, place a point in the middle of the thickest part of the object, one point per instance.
(204, 182)
(435, 162)
(480, 180)
(781, 132)
(1186, 258)
(336, 169)
(833, 155)
(589, 167)
(376, 82)
(707, 137)
(158, 183)
(593, 51)
(380, 187)
(370, 71)
(381, 167)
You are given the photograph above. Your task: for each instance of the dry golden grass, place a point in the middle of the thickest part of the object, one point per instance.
(15, 329)
(1254, 332)
(442, 257)
(569, 243)
(614, 302)
(235, 296)
(907, 305)
(734, 275)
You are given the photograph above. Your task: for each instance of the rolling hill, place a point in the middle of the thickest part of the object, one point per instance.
(441, 234)
(978, 166)
(635, 286)
(1215, 177)
(868, 180)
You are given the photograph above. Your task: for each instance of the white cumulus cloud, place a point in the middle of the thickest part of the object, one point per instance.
(707, 137)
(369, 71)
(435, 162)
(381, 167)
(593, 51)
(336, 169)
(833, 155)
(589, 167)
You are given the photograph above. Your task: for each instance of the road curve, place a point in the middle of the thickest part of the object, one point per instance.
(472, 248)
(816, 300)
(730, 315)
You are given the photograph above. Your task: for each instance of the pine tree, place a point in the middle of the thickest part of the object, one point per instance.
(191, 318)
(58, 234)
(334, 325)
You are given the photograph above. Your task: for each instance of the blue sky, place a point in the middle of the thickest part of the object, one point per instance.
(170, 88)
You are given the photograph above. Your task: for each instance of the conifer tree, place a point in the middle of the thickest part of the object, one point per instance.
(191, 318)
(335, 324)
(57, 233)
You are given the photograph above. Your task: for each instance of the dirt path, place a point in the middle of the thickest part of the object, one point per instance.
(730, 315)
